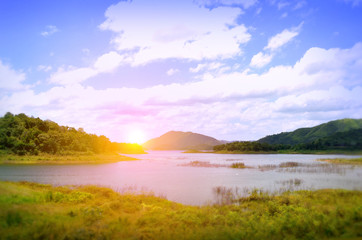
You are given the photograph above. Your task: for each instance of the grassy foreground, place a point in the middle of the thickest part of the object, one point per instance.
(77, 158)
(34, 211)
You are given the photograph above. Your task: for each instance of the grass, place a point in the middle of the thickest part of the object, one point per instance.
(214, 165)
(289, 164)
(198, 151)
(281, 165)
(203, 164)
(238, 165)
(295, 167)
(63, 159)
(353, 161)
(193, 151)
(34, 211)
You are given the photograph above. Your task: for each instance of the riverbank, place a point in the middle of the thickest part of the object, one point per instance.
(316, 152)
(64, 159)
(350, 161)
(34, 211)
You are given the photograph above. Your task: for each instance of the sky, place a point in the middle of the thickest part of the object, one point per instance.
(230, 69)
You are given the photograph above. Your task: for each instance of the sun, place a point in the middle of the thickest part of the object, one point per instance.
(136, 136)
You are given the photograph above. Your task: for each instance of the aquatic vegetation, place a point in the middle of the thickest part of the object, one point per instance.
(291, 182)
(267, 167)
(87, 212)
(238, 165)
(295, 167)
(216, 165)
(227, 196)
(233, 160)
(203, 164)
(289, 164)
(318, 168)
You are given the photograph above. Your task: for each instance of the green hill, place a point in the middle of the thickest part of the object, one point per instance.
(22, 135)
(307, 135)
(177, 140)
(349, 140)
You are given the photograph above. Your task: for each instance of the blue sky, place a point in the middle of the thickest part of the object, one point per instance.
(231, 69)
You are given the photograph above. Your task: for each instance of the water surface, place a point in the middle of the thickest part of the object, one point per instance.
(166, 173)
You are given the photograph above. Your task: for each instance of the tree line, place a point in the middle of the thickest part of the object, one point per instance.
(22, 135)
(250, 146)
(349, 140)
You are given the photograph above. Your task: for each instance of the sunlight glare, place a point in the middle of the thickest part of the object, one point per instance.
(136, 136)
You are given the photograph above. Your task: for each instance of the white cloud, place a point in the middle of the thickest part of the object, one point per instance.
(180, 30)
(245, 3)
(330, 99)
(108, 62)
(274, 43)
(50, 30)
(71, 75)
(44, 68)
(324, 84)
(283, 38)
(260, 60)
(162, 37)
(172, 71)
(206, 66)
(10, 79)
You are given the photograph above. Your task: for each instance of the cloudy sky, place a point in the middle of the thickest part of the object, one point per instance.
(231, 69)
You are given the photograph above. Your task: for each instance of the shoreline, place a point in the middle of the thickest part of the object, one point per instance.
(10, 159)
(326, 152)
(352, 161)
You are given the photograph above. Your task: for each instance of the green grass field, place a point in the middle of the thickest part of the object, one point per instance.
(34, 211)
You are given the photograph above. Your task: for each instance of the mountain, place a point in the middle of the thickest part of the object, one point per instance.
(306, 135)
(177, 140)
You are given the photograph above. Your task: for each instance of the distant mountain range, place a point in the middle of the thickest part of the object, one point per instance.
(177, 140)
(334, 134)
(329, 130)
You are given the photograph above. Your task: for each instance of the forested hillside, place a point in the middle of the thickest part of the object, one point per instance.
(349, 140)
(21, 135)
(338, 138)
(307, 135)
